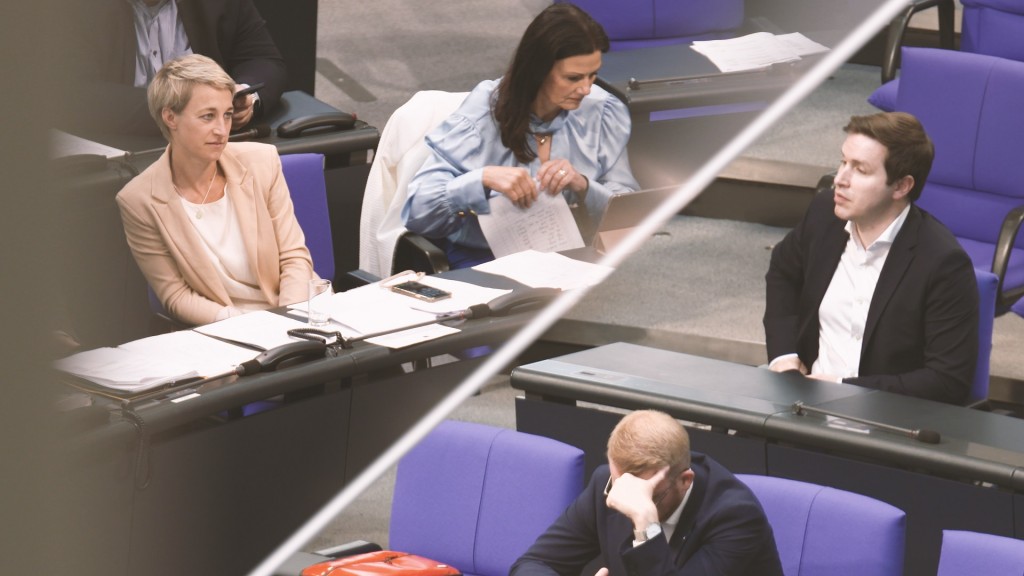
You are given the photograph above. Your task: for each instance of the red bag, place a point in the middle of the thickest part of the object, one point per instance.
(381, 563)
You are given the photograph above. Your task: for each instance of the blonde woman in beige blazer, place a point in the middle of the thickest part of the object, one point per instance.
(211, 224)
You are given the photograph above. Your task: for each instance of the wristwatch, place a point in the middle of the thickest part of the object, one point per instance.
(652, 530)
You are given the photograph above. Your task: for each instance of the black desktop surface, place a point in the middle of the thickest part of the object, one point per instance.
(974, 444)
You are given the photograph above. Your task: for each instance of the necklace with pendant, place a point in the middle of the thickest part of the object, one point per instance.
(199, 209)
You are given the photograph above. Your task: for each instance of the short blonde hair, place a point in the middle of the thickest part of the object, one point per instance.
(172, 87)
(648, 440)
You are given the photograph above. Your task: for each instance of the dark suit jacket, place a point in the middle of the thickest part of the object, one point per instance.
(723, 530)
(231, 32)
(921, 335)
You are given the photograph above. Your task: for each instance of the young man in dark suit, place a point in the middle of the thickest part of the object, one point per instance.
(869, 289)
(657, 509)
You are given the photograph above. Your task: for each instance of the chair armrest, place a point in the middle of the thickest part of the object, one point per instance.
(354, 279)
(898, 27)
(1001, 258)
(350, 549)
(414, 252)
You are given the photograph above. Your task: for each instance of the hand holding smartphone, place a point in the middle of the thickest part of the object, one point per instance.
(246, 91)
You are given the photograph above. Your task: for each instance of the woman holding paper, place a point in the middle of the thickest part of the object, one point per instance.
(542, 128)
(211, 223)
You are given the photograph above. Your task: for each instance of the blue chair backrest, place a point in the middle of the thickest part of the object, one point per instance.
(993, 27)
(304, 174)
(643, 23)
(821, 531)
(476, 497)
(974, 553)
(970, 105)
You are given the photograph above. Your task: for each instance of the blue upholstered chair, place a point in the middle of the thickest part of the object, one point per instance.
(644, 23)
(977, 124)
(988, 27)
(993, 27)
(973, 553)
(304, 174)
(822, 531)
(1018, 307)
(476, 497)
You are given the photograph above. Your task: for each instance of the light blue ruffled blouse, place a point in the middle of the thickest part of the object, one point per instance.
(448, 189)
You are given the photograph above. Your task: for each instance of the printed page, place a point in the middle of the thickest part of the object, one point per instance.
(750, 52)
(541, 270)
(546, 226)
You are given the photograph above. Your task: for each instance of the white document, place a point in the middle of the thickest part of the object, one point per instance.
(412, 336)
(261, 328)
(207, 356)
(539, 270)
(372, 308)
(801, 44)
(757, 50)
(124, 370)
(546, 226)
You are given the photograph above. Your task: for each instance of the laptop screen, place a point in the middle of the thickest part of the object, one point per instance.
(624, 212)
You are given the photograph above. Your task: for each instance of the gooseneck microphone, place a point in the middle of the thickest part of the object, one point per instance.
(921, 435)
(258, 131)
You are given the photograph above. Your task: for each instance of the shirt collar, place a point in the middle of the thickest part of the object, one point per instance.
(673, 519)
(888, 236)
(538, 126)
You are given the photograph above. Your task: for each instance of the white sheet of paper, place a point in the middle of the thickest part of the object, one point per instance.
(750, 52)
(413, 336)
(538, 269)
(370, 309)
(546, 226)
(801, 44)
(208, 356)
(124, 369)
(261, 328)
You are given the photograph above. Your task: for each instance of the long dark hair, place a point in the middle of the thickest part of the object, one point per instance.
(560, 31)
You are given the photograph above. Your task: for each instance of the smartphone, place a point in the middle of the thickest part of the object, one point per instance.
(246, 91)
(421, 291)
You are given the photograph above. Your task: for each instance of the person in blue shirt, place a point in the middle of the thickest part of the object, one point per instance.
(544, 127)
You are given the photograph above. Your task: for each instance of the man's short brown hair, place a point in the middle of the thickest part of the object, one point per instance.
(909, 150)
(648, 440)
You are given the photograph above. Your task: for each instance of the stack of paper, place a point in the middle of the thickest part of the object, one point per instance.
(151, 362)
(124, 370)
(372, 309)
(758, 50)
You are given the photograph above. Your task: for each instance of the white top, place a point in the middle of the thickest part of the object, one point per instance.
(844, 309)
(217, 225)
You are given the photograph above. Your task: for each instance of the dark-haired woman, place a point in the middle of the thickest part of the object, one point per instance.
(542, 128)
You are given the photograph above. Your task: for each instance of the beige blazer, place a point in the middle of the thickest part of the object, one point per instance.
(170, 252)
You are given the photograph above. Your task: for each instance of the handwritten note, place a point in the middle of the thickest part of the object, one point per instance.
(546, 226)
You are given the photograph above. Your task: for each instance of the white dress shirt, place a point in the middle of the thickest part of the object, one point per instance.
(843, 312)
